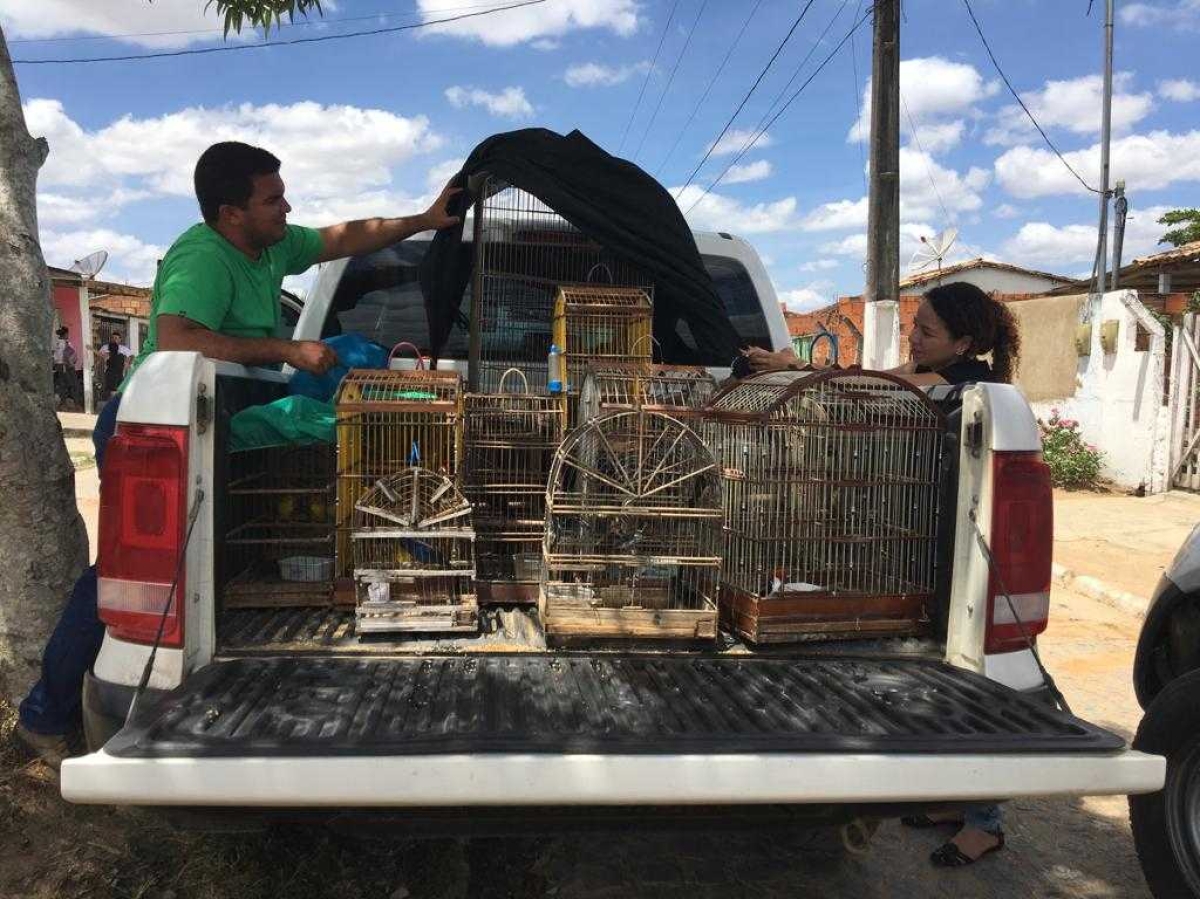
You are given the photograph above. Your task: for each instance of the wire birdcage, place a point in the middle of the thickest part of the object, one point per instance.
(278, 542)
(678, 390)
(412, 542)
(633, 532)
(388, 421)
(509, 439)
(831, 487)
(524, 251)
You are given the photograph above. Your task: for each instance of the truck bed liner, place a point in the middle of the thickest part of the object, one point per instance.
(567, 704)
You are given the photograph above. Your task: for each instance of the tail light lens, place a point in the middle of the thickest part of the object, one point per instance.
(143, 515)
(1022, 545)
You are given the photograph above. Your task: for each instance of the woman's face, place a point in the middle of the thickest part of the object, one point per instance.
(931, 344)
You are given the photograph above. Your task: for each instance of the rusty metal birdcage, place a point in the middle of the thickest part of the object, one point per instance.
(389, 421)
(524, 252)
(831, 486)
(678, 390)
(509, 440)
(633, 532)
(413, 549)
(278, 541)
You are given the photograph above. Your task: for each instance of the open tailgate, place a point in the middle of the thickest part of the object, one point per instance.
(531, 729)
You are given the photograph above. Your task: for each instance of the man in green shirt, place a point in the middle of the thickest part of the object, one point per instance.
(216, 293)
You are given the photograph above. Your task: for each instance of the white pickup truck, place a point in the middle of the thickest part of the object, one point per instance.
(283, 709)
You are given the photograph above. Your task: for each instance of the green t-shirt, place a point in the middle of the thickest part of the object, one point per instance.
(207, 279)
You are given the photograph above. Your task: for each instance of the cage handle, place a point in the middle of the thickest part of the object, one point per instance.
(653, 343)
(416, 349)
(603, 265)
(519, 373)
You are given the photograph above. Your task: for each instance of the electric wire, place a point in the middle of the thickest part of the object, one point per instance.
(745, 99)
(1017, 97)
(912, 124)
(649, 72)
(704, 96)
(785, 106)
(670, 79)
(289, 43)
(862, 153)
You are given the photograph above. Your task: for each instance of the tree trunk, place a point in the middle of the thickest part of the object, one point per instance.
(43, 544)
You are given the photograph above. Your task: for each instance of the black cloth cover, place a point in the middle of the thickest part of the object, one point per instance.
(614, 203)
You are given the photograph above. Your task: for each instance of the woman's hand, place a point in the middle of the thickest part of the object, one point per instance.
(766, 360)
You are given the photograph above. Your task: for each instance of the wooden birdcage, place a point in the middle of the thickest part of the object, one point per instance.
(509, 439)
(388, 421)
(524, 252)
(278, 545)
(831, 488)
(412, 542)
(598, 325)
(633, 532)
(678, 390)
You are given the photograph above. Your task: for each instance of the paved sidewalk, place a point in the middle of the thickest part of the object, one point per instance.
(77, 424)
(1122, 542)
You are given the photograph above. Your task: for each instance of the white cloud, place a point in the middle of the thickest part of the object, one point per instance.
(594, 74)
(939, 138)
(545, 21)
(838, 215)
(855, 245)
(545, 44)
(1006, 211)
(1061, 247)
(1073, 104)
(818, 265)
(806, 299)
(716, 212)
(1181, 90)
(1180, 15)
(934, 89)
(441, 173)
(55, 209)
(56, 18)
(510, 103)
(751, 171)
(129, 259)
(1151, 161)
(733, 141)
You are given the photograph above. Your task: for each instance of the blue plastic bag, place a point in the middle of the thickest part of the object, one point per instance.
(353, 351)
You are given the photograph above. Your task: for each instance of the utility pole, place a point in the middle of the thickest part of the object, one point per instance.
(1121, 209)
(881, 326)
(1105, 138)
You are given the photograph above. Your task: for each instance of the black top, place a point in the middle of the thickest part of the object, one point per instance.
(964, 371)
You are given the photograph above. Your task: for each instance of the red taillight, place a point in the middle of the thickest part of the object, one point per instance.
(143, 517)
(1022, 545)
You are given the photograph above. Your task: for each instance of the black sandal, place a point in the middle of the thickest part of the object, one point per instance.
(924, 822)
(950, 856)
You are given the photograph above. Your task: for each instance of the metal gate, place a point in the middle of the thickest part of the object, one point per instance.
(1185, 404)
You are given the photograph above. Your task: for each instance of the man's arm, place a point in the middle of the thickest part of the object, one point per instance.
(178, 333)
(369, 235)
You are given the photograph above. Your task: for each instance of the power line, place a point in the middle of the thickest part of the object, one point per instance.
(304, 40)
(704, 96)
(649, 72)
(924, 157)
(753, 87)
(306, 23)
(670, 79)
(862, 158)
(784, 108)
(1017, 97)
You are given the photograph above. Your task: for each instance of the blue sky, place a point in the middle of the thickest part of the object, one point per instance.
(373, 125)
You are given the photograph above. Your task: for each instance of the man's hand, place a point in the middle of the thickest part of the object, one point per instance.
(311, 356)
(765, 360)
(438, 215)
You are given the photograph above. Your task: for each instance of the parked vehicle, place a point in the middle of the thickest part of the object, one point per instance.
(1166, 677)
(278, 710)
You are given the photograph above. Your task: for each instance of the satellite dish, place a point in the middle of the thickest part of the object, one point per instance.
(933, 251)
(89, 266)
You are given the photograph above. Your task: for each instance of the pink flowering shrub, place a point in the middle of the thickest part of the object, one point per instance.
(1073, 463)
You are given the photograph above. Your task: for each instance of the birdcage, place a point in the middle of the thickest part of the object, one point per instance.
(412, 542)
(509, 439)
(388, 421)
(278, 545)
(831, 504)
(524, 251)
(633, 532)
(678, 390)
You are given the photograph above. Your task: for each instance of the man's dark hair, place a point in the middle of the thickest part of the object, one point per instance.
(63, 331)
(225, 176)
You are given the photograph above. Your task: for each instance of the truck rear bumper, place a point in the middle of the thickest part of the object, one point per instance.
(538, 779)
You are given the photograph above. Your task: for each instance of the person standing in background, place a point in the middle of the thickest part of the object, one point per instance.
(65, 359)
(115, 355)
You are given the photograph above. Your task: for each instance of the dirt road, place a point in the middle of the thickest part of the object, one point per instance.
(1064, 848)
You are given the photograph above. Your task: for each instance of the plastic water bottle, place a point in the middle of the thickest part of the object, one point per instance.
(554, 370)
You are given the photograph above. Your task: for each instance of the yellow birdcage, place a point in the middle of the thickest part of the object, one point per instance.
(388, 421)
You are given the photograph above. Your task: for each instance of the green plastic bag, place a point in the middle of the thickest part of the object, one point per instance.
(291, 421)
